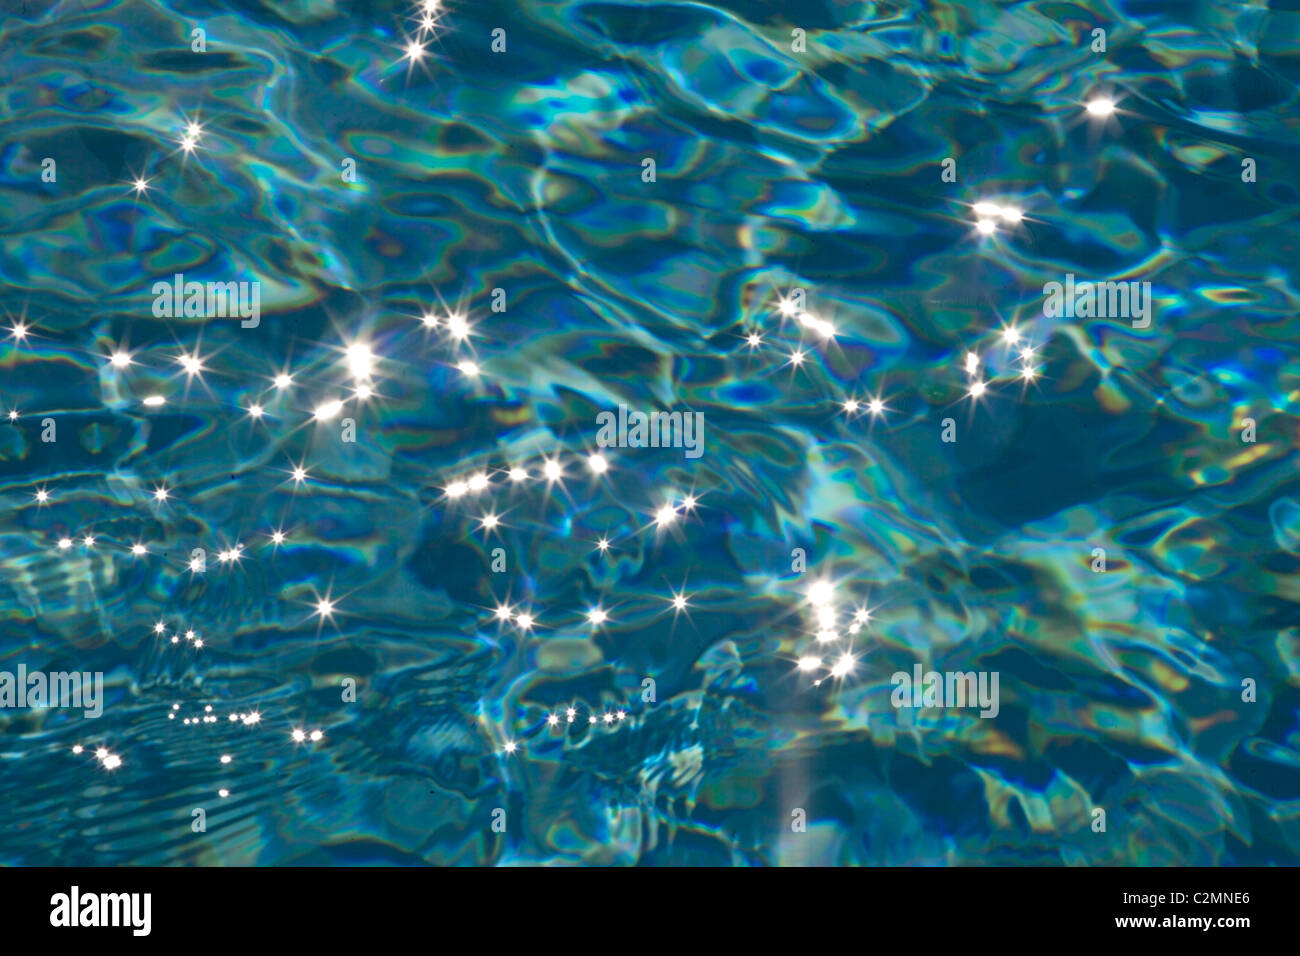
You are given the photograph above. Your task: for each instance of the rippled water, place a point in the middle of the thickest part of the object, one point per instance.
(695, 738)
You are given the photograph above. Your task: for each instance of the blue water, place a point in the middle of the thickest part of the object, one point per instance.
(1109, 522)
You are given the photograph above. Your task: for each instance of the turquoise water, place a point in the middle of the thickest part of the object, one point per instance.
(433, 205)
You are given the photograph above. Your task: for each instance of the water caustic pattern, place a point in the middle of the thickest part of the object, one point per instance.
(332, 332)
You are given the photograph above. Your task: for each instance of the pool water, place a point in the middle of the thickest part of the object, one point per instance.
(368, 579)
